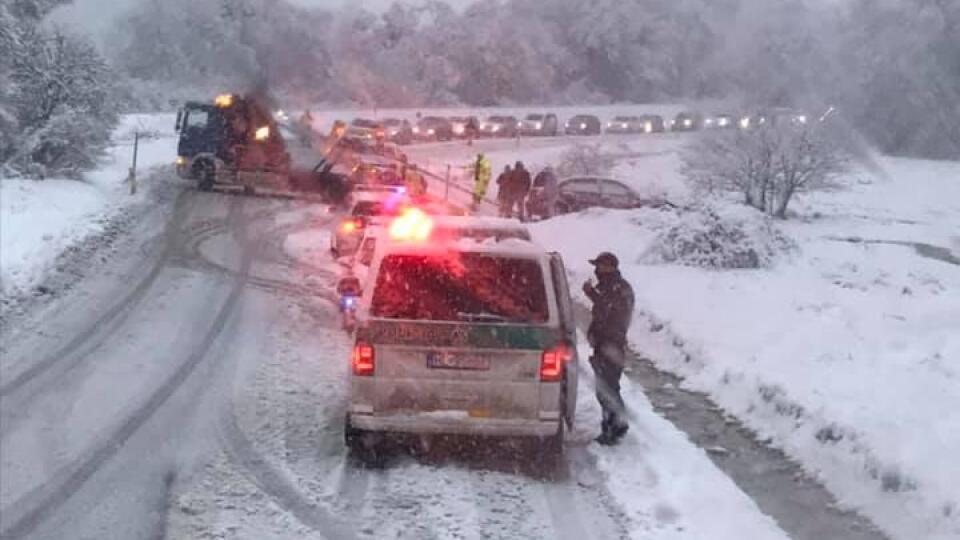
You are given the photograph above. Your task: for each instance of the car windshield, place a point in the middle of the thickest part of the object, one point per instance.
(535, 117)
(580, 119)
(368, 124)
(463, 287)
(501, 119)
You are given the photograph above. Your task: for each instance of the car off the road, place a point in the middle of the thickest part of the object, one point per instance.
(580, 193)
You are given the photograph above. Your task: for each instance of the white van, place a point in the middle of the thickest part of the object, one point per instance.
(463, 337)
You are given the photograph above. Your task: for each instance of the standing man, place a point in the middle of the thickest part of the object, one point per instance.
(504, 196)
(481, 179)
(612, 300)
(547, 181)
(521, 187)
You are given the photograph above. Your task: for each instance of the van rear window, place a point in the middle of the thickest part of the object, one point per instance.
(461, 287)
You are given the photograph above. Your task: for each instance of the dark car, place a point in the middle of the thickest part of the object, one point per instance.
(398, 131)
(499, 126)
(579, 193)
(461, 126)
(540, 125)
(687, 121)
(652, 123)
(433, 128)
(583, 124)
(720, 121)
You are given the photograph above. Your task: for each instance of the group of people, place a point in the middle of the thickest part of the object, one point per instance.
(513, 188)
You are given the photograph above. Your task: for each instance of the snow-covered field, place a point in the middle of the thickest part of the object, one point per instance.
(40, 219)
(844, 352)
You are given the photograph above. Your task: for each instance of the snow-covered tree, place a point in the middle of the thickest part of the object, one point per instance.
(54, 100)
(766, 166)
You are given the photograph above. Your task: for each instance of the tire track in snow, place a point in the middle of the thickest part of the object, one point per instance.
(276, 484)
(32, 509)
(100, 329)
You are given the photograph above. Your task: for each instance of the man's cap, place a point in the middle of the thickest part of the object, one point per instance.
(606, 258)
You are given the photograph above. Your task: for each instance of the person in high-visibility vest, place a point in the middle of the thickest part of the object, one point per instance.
(482, 171)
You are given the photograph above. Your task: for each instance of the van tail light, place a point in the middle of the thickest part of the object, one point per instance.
(363, 360)
(553, 362)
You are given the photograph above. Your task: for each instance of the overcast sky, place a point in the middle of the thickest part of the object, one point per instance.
(95, 16)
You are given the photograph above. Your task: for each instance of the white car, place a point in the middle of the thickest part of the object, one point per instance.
(366, 208)
(462, 337)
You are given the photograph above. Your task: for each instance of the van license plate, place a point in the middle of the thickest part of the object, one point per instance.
(438, 360)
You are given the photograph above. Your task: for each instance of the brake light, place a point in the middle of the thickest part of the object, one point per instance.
(554, 362)
(351, 226)
(363, 360)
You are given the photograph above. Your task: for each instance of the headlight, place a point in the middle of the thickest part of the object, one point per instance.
(416, 129)
(583, 126)
(802, 119)
(624, 125)
(262, 134)
(708, 121)
(181, 161)
(687, 122)
(745, 122)
(431, 131)
(537, 125)
(458, 129)
(496, 128)
(648, 127)
(723, 122)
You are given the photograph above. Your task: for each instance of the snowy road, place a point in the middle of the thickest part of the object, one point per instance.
(193, 387)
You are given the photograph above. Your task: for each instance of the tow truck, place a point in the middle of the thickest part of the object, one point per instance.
(234, 140)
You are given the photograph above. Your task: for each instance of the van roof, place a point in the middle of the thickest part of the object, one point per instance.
(509, 247)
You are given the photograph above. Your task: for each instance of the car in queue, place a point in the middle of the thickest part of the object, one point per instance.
(433, 129)
(624, 124)
(462, 338)
(499, 126)
(397, 131)
(461, 126)
(687, 121)
(719, 121)
(366, 208)
(580, 193)
(583, 124)
(652, 123)
(540, 125)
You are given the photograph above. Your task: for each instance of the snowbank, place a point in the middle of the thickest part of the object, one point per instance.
(719, 238)
(845, 355)
(40, 219)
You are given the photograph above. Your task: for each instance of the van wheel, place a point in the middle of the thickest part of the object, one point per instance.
(366, 447)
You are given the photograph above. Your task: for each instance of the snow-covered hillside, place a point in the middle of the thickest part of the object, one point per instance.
(843, 352)
(40, 219)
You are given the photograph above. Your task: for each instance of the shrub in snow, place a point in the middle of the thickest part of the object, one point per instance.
(706, 239)
(767, 166)
(585, 159)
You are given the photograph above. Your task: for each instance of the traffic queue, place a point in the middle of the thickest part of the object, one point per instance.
(436, 128)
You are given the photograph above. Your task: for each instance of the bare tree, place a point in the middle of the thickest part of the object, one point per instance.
(766, 166)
